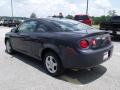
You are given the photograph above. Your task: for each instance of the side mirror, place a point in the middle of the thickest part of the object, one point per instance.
(14, 30)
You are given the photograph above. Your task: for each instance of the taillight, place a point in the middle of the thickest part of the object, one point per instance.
(93, 42)
(84, 43)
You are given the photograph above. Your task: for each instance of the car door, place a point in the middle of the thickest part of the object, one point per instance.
(21, 39)
(39, 38)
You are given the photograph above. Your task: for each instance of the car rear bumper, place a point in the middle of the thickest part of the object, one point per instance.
(85, 58)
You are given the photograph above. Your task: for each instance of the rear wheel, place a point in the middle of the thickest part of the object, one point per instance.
(52, 64)
(9, 47)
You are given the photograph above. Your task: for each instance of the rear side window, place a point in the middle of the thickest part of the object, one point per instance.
(42, 28)
(81, 17)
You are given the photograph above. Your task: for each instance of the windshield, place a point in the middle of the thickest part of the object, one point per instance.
(70, 25)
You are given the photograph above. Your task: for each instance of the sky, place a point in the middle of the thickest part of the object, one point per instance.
(44, 8)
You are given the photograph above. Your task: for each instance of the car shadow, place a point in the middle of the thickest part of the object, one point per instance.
(80, 77)
(83, 76)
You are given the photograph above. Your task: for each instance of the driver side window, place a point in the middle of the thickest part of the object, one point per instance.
(29, 26)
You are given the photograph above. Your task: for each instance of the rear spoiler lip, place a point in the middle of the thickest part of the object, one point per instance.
(97, 33)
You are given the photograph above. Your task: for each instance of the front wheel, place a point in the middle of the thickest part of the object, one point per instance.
(9, 47)
(53, 64)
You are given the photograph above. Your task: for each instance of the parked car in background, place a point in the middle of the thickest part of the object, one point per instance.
(84, 19)
(5, 22)
(13, 23)
(60, 43)
(1, 22)
(111, 25)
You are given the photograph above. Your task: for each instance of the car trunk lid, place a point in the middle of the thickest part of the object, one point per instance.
(99, 39)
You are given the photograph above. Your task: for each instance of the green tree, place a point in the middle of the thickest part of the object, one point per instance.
(98, 20)
(69, 17)
(112, 13)
(33, 15)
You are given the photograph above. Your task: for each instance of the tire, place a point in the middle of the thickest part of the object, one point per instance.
(114, 33)
(9, 47)
(53, 64)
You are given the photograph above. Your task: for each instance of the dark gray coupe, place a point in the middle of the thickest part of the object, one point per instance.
(60, 43)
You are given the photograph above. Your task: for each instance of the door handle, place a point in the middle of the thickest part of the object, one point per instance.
(22, 35)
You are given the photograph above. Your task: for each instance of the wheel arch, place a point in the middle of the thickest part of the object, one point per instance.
(48, 49)
(6, 38)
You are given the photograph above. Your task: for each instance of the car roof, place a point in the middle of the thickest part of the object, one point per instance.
(48, 19)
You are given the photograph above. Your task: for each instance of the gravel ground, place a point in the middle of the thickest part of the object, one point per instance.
(20, 72)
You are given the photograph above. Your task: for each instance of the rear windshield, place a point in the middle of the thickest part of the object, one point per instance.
(70, 25)
(81, 17)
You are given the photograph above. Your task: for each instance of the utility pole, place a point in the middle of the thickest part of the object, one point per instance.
(12, 8)
(87, 7)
